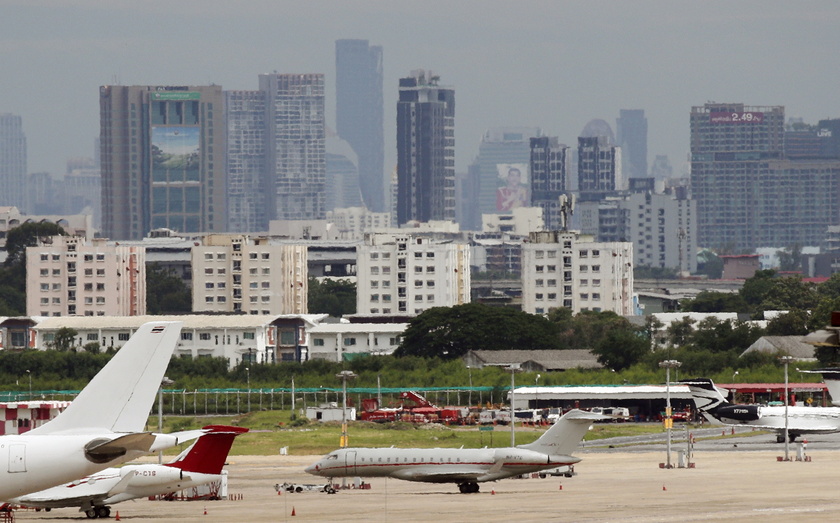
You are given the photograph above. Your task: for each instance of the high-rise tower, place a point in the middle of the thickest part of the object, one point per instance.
(12, 162)
(162, 151)
(295, 146)
(249, 190)
(549, 170)
(631, 135)
(425, 149)
(749, 193)
(359, 114)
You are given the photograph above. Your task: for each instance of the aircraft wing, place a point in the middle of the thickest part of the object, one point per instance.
(420, 474)
(76, 493)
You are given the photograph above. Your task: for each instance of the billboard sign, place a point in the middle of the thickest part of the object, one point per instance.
(512, 191)
(176, 95)
(736, 117)
(175, 153)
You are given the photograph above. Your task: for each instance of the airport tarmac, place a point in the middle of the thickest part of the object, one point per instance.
(614, 486)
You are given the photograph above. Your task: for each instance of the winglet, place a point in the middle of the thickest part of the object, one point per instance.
(208, 454)
(120, 396)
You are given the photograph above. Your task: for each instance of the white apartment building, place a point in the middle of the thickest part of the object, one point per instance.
(521, 221)
(565, 269)
(72, 276)
(254, 339)
(405, 274)
(344, 341)
(73, 224)
(353, 222)
(234, 273)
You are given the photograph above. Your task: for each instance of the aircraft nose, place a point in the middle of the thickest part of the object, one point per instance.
(313, 469)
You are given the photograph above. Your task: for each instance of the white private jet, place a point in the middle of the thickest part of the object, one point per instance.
(466, 467)
(199, 464)
(801, 420)
(103, 426)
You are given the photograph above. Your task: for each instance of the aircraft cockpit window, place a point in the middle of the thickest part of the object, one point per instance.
(332, 456)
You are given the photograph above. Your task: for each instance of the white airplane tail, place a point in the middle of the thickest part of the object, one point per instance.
(120, 396)
(831, 377)
(564, 436)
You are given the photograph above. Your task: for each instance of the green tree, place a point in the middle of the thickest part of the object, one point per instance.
(792, 323)
(790, 293)
(756, 288)
(790, 258)
(166, 293)
(680, 330)
(621, 349)
(334, 297)
(713, 301)
(710, 264)
(65, 339)
(26, 235)
(451, 332)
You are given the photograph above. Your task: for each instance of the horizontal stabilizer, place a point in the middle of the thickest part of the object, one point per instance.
(209, 453)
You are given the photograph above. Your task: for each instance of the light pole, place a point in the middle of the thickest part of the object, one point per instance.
(733, 376)
(513, 369)
(786, 360)
(469, 394)
(165, 382)
(537, 391)
(669, 422)
(248, 381)
(344, 376)
(30, 384)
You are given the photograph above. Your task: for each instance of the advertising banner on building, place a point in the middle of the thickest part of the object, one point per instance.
(512, 191)
(175, 153)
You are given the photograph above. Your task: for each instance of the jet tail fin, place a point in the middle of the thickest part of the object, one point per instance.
(831, 377)
(706, 395)
(121, 395)
(208, 454)
(564, 436)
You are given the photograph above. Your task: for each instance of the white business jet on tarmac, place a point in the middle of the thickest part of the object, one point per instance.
(800, 420)
(466, 467)
(103, 426)
(198, 465)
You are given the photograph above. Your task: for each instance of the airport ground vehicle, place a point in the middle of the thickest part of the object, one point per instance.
(304, 487)
(567, 471)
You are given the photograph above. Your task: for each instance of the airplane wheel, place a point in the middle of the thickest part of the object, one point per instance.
(103, 512)
(780, 439)
(91, 513)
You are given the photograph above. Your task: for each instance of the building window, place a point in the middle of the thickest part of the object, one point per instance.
(349, 342)
(204, 336)
(318, 342)
(186, 336)
(124, 336)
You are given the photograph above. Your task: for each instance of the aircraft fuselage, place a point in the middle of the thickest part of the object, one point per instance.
(436, 465)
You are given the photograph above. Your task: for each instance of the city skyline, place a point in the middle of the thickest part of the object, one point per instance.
(513, 64)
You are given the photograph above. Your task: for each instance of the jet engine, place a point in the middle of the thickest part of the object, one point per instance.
(738, 412)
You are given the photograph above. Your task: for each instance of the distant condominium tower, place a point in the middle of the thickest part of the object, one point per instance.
(599, 162)
(295, 145)
(162, 152)
(498, 180)
(751, 194)
(425, 149)
(13, 180)
(359, 114)
(631, 135)
(249, 190)
(549, 171)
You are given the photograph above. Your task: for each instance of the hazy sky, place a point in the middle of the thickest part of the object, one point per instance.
(551, 64)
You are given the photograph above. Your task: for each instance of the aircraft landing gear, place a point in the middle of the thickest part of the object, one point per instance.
(98, 512)
(469, 487)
